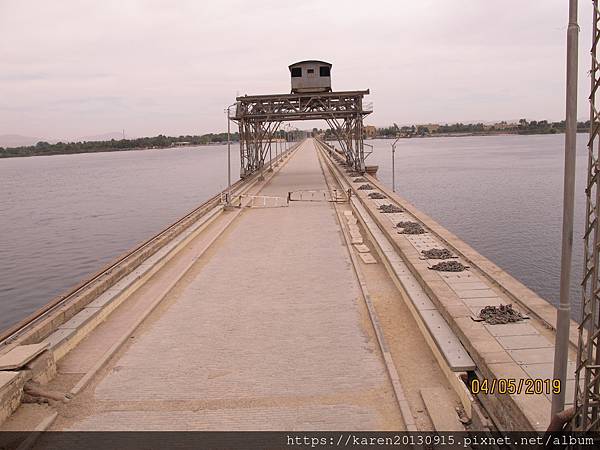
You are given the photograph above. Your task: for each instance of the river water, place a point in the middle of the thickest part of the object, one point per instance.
(64, 217)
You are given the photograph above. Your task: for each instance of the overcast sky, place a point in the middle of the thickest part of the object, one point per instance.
(72, 68)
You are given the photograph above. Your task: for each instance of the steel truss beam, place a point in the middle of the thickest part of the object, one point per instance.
(587, 386)
(259, 117)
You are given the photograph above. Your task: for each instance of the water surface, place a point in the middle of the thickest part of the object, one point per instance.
(64, 217)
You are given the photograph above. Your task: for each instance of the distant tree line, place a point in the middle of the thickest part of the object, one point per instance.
(522, 127)
(160, 141)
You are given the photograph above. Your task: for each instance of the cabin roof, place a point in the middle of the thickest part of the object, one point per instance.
(309, 61)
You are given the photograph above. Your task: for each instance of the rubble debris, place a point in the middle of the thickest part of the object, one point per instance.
(437, 253)
(366, 187)
(411, 228)
(360, 180)
(377, 196)
(495, 315)
(449, 266)
(389, 209)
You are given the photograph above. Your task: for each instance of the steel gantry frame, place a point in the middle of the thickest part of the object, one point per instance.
(260, 116)
(587, 375)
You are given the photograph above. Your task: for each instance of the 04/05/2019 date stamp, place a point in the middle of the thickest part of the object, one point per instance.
(510, 386)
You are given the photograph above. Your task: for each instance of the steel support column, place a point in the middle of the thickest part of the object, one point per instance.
(259, 118)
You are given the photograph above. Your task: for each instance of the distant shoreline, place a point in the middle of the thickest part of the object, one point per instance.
(475, 133)
(108, 150)
(123, 145)
(54, 149)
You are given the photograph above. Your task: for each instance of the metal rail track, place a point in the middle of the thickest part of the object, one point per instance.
(20, 328)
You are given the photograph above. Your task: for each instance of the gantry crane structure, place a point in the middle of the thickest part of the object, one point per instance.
(260, 116)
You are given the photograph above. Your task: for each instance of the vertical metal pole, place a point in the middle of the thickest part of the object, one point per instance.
(561, 350)
(394, 167)
(228, 156)
(394, 164)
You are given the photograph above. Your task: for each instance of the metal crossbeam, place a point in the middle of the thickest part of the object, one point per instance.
(587, 386)
(259, 118)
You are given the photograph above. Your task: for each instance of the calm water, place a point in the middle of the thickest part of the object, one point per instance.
(500, 194)
(64, 217)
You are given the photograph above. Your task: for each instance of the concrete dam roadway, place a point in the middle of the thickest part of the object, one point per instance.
(305, 307)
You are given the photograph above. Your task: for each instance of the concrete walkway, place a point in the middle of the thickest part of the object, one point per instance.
(268, 331)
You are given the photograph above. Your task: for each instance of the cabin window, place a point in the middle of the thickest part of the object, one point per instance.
(311, 71)
(324, 71)
(296, 72)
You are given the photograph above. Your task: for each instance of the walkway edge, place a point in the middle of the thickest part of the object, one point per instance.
(405, 410)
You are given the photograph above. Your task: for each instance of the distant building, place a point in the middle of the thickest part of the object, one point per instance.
(180, 144)
(505, 126)
(369, 131)
(432, 127)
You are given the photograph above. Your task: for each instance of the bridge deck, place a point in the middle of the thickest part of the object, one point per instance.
(270, 332)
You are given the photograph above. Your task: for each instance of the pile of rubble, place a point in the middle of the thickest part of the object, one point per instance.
(449, 266)
(360, 180)
(437, 253)
(410, 228)
(389, 209)
(377, 196)
(365, 187)
(496, 315)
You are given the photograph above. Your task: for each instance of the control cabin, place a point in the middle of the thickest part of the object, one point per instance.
(310, 76)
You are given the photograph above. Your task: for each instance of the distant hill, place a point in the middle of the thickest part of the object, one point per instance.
(16, 140)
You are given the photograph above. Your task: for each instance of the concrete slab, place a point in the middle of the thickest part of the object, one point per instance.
(362, 248)
(455, 354)
(79, 319)
(546, 370)
(467, 285)
(441, 411)
(355, 234)
(105, 298)
(524, 342)
(458, 276)
(367, 258)
(511, 329)
(476, 293)
(19, 356)
(7, 378)
(356, 240)
(58, 336)
(481, 302)
(532, 356)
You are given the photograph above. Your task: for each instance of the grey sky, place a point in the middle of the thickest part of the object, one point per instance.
(72, 68)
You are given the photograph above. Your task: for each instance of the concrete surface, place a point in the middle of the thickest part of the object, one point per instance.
(269, 332)
(20, 356)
